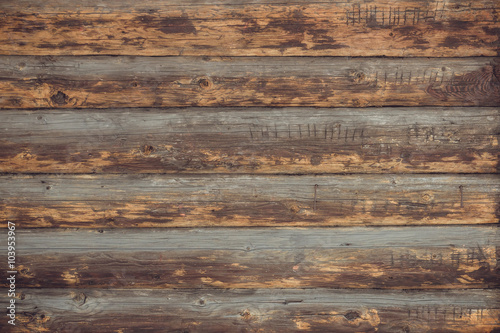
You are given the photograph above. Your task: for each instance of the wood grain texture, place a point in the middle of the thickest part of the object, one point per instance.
(94, 201)
(110, 82)
(287, 310)
(389, 258)
(251, 140)
(257, 28)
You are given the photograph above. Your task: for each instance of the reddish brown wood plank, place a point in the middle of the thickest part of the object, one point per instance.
(256, 140)
(261, 28)
(96, 201)
(109, 82)
(266, 310)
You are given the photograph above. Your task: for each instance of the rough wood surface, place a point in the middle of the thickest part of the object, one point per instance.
(287, 310)
(257, 28)
(95, 201)
(236, 140)
(107, 82)
(451, 257)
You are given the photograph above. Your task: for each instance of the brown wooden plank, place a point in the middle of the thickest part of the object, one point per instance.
(287, 310)
(450, 257)
(95, 201)
(236, 140)
(257, 28)
(107, 82)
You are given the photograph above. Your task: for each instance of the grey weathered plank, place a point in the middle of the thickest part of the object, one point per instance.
(449, 257)
(258, 28)
(107, 82)
(320, 310)
(256, 140)
(247, 200)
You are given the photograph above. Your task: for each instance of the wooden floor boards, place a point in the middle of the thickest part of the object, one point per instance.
(259, 166)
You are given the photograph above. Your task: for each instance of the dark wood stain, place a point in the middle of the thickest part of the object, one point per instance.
(176, 25)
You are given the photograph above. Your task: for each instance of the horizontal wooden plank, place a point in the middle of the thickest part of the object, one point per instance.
(388, 258)
(251, 140)
(107, 82)
(219, 200)
(270, 28)
(286, 310)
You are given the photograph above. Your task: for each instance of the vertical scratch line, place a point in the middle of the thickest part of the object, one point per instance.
(315, 196)
(442, 9)
(461, 188)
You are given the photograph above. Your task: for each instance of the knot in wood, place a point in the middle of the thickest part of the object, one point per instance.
(427, 197)
(351, 315)
(148, 149)
(60, 98)
(205, 83)
(357, 76)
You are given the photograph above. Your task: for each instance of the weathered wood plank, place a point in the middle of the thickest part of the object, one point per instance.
(236, 140)
(220, 200)
(389, 258)
(258, 28)
(107, 82)
(287, 310)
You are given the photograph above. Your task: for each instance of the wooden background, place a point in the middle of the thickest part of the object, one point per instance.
(230, 166)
